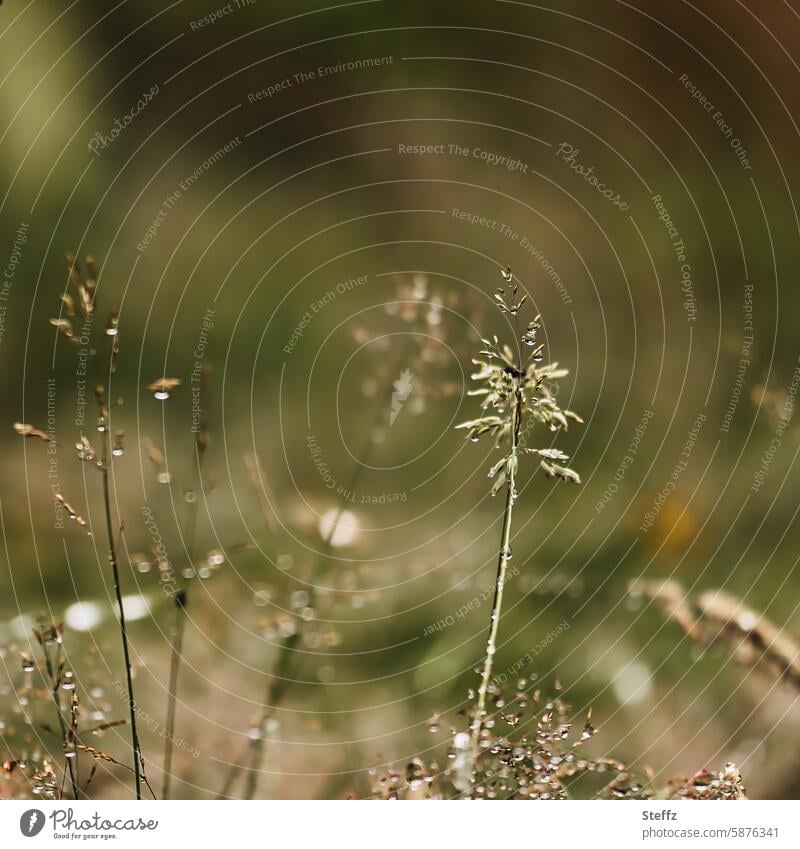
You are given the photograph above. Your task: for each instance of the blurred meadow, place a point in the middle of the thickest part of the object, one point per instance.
(299, 221)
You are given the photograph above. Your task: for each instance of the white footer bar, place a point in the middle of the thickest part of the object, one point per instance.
(400, 825)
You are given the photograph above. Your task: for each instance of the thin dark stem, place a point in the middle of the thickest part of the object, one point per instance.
(179, 629)
(276, 687)
(182, 596)
(502, 566)
(272, 698)
(112, 556)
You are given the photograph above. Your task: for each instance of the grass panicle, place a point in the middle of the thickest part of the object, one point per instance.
(517, 391)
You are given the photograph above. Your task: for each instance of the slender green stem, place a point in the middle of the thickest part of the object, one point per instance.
(179, 629)
(276, 687)
(502, 566)
(275, 690)
(112, 557)
(497, 605)
(182, 595)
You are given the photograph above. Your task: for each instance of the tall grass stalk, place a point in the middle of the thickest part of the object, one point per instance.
(181, 599)
(515, 390)
(112, 557)
(83, 309)
(503, 557)
(176, 656)
(277, 686)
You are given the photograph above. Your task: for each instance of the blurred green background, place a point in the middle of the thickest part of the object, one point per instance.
(315, 190)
